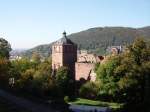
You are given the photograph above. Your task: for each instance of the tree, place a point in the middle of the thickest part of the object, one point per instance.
(35, 78)
(36, 57)
(4, 70)
(45, 86)
(5, 48)
(25, 81)
(45, 67)
(64, 81)
(135, 70)
(139, 51)
(123, 76)
(22, 65)
(89, 90)
(105, 75)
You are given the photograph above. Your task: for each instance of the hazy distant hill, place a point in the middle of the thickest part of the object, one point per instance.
(16, 52)
(96, 40)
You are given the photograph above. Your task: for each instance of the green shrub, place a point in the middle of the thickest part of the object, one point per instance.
(89, 90)
(66, 99)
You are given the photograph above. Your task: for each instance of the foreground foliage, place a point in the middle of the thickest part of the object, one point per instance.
(5, 48)
(34, 77)
(124, 78)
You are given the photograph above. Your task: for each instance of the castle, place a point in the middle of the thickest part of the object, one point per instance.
(81, 64)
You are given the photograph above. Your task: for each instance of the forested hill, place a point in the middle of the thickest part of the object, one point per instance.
(96, 40)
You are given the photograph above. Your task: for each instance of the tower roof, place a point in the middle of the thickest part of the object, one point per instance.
(64, 39)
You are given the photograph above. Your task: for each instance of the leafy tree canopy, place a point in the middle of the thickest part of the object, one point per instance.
(5, 48)
(123, 76)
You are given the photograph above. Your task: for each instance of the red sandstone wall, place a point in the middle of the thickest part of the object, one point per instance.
(57, 58)
(64, 55)
(82, 70)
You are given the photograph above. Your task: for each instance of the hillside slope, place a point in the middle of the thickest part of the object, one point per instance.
(96, 40)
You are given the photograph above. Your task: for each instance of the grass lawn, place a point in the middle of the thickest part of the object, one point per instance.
(81, 101)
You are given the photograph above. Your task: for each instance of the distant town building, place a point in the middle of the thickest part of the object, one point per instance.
(114, 49)
(82, 52)
(12, 58)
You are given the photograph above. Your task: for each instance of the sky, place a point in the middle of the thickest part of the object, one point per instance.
(28, 23)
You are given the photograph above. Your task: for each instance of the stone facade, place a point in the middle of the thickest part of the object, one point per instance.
(84, 67)
(89, 58)
(85, 71)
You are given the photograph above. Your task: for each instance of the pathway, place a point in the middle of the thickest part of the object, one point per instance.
(24, 103)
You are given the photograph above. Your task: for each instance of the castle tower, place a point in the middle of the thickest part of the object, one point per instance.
(64, 53)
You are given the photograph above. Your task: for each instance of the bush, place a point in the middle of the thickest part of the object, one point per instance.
(66, 99)
(89, 90)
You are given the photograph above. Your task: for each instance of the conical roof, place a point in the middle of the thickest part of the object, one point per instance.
(65, 40)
